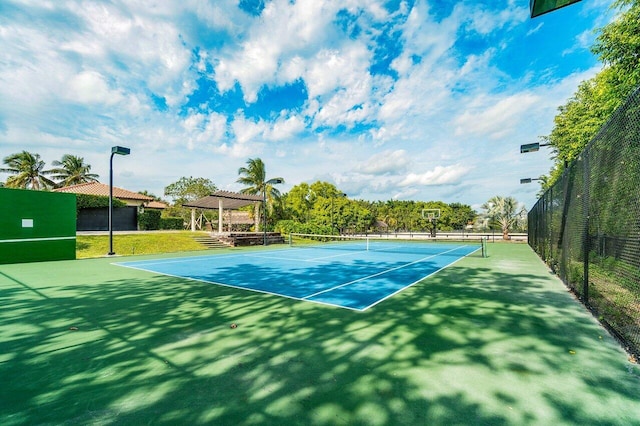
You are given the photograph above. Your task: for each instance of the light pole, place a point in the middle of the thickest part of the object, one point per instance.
(264, 208)
(120, 150)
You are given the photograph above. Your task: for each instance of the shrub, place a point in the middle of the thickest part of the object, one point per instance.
(85, 201)
(171, 223)
(289, 226)
(149, 220)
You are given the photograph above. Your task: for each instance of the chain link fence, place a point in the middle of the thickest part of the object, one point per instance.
(586, 227)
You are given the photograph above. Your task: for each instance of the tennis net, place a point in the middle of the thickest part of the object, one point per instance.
(398, 243)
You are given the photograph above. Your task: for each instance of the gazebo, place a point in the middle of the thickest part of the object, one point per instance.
(222, 200)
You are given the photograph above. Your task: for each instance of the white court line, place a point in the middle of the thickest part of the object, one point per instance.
(179, 260)
(305, 298)
(417, 281)
(380, 273)
(313, 259)
(254, 290)
(31, 240)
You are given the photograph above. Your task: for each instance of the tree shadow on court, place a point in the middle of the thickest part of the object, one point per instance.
(90, 343)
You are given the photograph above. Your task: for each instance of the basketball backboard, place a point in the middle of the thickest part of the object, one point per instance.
(431, 214)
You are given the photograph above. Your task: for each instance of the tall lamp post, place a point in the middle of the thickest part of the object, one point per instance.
(264, 208)
(120, 150)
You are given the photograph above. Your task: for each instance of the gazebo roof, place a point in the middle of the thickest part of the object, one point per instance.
(230, 200)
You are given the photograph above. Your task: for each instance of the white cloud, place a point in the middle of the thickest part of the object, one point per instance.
(92, 70)
(285, 128)
(385, 162)
(90, 87)
(246, 130)
(485, 21)
(488, 116)
(440, 175)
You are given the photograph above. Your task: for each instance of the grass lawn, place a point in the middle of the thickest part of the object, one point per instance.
(140, 243)
(495, 341)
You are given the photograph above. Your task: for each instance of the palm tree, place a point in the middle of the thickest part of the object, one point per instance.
(503, 211)
(72, 170)
(255, 177)
(27, 170)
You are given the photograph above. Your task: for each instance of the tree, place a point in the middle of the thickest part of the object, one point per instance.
(254, 176)
(72, 170)
(27, 170)
(189, 189)
(618, 46)
(299, 202)
(578, 121)
(504, 212)
(461, 215)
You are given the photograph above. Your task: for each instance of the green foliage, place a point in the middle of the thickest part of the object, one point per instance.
(503, 211)
(322, 204)
(189, 189)
(171, 223)
(618, 45)
(85, 201)
(184, 190)
(299, 201)
(576, 274)
(72, 170)
(254, 177)
(27, 171)
(288, 226)
(579, 120)
(149, 220)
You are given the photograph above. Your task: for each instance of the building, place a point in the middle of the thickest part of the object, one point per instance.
(124, 218)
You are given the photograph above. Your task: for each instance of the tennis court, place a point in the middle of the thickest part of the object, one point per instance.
(355, 273)
(485, 341)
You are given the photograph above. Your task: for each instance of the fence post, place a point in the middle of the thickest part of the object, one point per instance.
(585, 231)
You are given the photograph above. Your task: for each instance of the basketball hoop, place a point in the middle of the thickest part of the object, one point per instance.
(432, 215)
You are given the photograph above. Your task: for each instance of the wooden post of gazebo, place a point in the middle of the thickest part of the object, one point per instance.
(228, 200)
(220, 213)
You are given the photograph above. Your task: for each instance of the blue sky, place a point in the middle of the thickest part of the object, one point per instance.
(386, 99)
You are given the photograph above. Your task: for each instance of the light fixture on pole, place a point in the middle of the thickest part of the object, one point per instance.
(531, 147)
(264, 207)
(120, 150)
(528, 180)
(540, 7)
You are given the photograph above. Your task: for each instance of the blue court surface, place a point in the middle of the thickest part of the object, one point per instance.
(346, 277)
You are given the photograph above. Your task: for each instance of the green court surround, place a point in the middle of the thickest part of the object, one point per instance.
(495, 341)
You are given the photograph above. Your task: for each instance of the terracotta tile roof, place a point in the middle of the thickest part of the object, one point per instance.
(156, 205)
(97, 188)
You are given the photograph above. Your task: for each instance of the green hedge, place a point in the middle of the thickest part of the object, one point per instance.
(85, 201)
(149, 220)
(288, 226)
(171, 223)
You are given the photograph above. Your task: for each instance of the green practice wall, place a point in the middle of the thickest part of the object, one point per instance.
(36, 226)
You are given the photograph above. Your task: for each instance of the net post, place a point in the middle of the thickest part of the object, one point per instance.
(484, 246)
(367, 240)
(290, 239)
